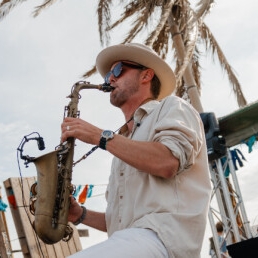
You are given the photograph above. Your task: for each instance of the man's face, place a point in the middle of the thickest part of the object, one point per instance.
(126, 85)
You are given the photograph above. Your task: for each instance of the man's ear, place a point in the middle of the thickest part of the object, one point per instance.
(147, 75)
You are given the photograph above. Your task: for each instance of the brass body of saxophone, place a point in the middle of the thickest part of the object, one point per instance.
(50, 195)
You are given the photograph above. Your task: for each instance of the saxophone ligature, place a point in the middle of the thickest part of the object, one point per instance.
(50, 195)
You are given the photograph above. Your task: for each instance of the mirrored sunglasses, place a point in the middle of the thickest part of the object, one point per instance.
(117, 70)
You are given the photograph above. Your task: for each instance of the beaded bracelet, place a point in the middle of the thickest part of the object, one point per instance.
(80, 220)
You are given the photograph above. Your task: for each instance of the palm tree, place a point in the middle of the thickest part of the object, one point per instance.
(176, 28)
(179, 29)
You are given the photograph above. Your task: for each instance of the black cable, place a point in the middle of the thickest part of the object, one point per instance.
(22, 190)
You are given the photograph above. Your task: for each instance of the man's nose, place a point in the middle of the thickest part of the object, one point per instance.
(111, 78)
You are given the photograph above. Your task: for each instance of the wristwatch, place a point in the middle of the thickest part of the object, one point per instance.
(106, 135)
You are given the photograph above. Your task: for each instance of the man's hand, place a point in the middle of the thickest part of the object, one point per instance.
(81, 130)
(75, 210)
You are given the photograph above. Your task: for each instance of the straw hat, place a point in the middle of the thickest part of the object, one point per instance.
(140, 54)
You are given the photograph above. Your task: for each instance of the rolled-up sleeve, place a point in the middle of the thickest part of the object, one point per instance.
(179, 128)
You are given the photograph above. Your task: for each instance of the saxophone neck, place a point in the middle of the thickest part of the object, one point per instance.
(81, 85)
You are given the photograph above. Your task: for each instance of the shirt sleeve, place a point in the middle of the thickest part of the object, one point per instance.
(179, 127)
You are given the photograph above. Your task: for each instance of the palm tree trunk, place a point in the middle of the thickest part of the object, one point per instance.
(188, 75)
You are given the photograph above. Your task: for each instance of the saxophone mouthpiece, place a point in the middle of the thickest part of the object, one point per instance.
(106, 87)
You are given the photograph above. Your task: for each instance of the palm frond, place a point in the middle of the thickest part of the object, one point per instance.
(161, 43)
(134, 32)
(143, 13)
(5, 2)
(104, 18)
(166, 10)
(203, 8)
(213, 46)
(41, 7)
(92, 71)
(129, 11)
(7, 5)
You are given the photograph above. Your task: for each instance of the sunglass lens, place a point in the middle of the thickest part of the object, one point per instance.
(116, 71)
(107, 77)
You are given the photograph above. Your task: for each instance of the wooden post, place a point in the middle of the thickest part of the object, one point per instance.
(18, 193)
(5, 246)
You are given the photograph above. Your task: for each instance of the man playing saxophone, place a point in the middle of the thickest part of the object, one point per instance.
(159, 188)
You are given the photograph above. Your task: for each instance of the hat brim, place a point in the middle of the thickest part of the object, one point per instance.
(142, 55)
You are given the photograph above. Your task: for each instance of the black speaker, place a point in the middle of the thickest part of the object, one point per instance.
(245, 249)
(215, 142)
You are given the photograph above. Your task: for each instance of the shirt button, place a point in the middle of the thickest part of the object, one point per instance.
(121, 196)
(121, 174)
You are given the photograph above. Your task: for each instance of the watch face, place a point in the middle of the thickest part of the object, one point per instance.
(107, 134)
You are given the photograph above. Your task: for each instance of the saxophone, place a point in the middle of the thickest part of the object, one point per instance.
(50, 195)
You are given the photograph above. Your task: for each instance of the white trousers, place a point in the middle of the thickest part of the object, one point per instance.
(127, 243)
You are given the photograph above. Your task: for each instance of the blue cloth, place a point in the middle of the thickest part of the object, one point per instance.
(89, 192)
(235, 159)
(77, 191)
(250, 142)
(3, 206)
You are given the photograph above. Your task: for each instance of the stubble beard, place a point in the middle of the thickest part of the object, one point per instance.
(119, 97)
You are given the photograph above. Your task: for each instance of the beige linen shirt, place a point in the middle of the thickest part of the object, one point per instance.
(176, 209)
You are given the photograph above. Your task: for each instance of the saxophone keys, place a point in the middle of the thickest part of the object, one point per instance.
(33, 189)
(68, 233)
(32, 206)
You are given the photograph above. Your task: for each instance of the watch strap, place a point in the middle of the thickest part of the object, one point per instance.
(81, 219)
(105, 136)
(103, 143)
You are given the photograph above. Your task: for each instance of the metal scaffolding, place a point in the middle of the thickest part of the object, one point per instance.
(227, 204)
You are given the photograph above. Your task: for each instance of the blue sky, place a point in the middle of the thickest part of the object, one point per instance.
(41, 58)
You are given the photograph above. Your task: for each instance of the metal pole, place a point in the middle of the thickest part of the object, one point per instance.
(240, 199)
